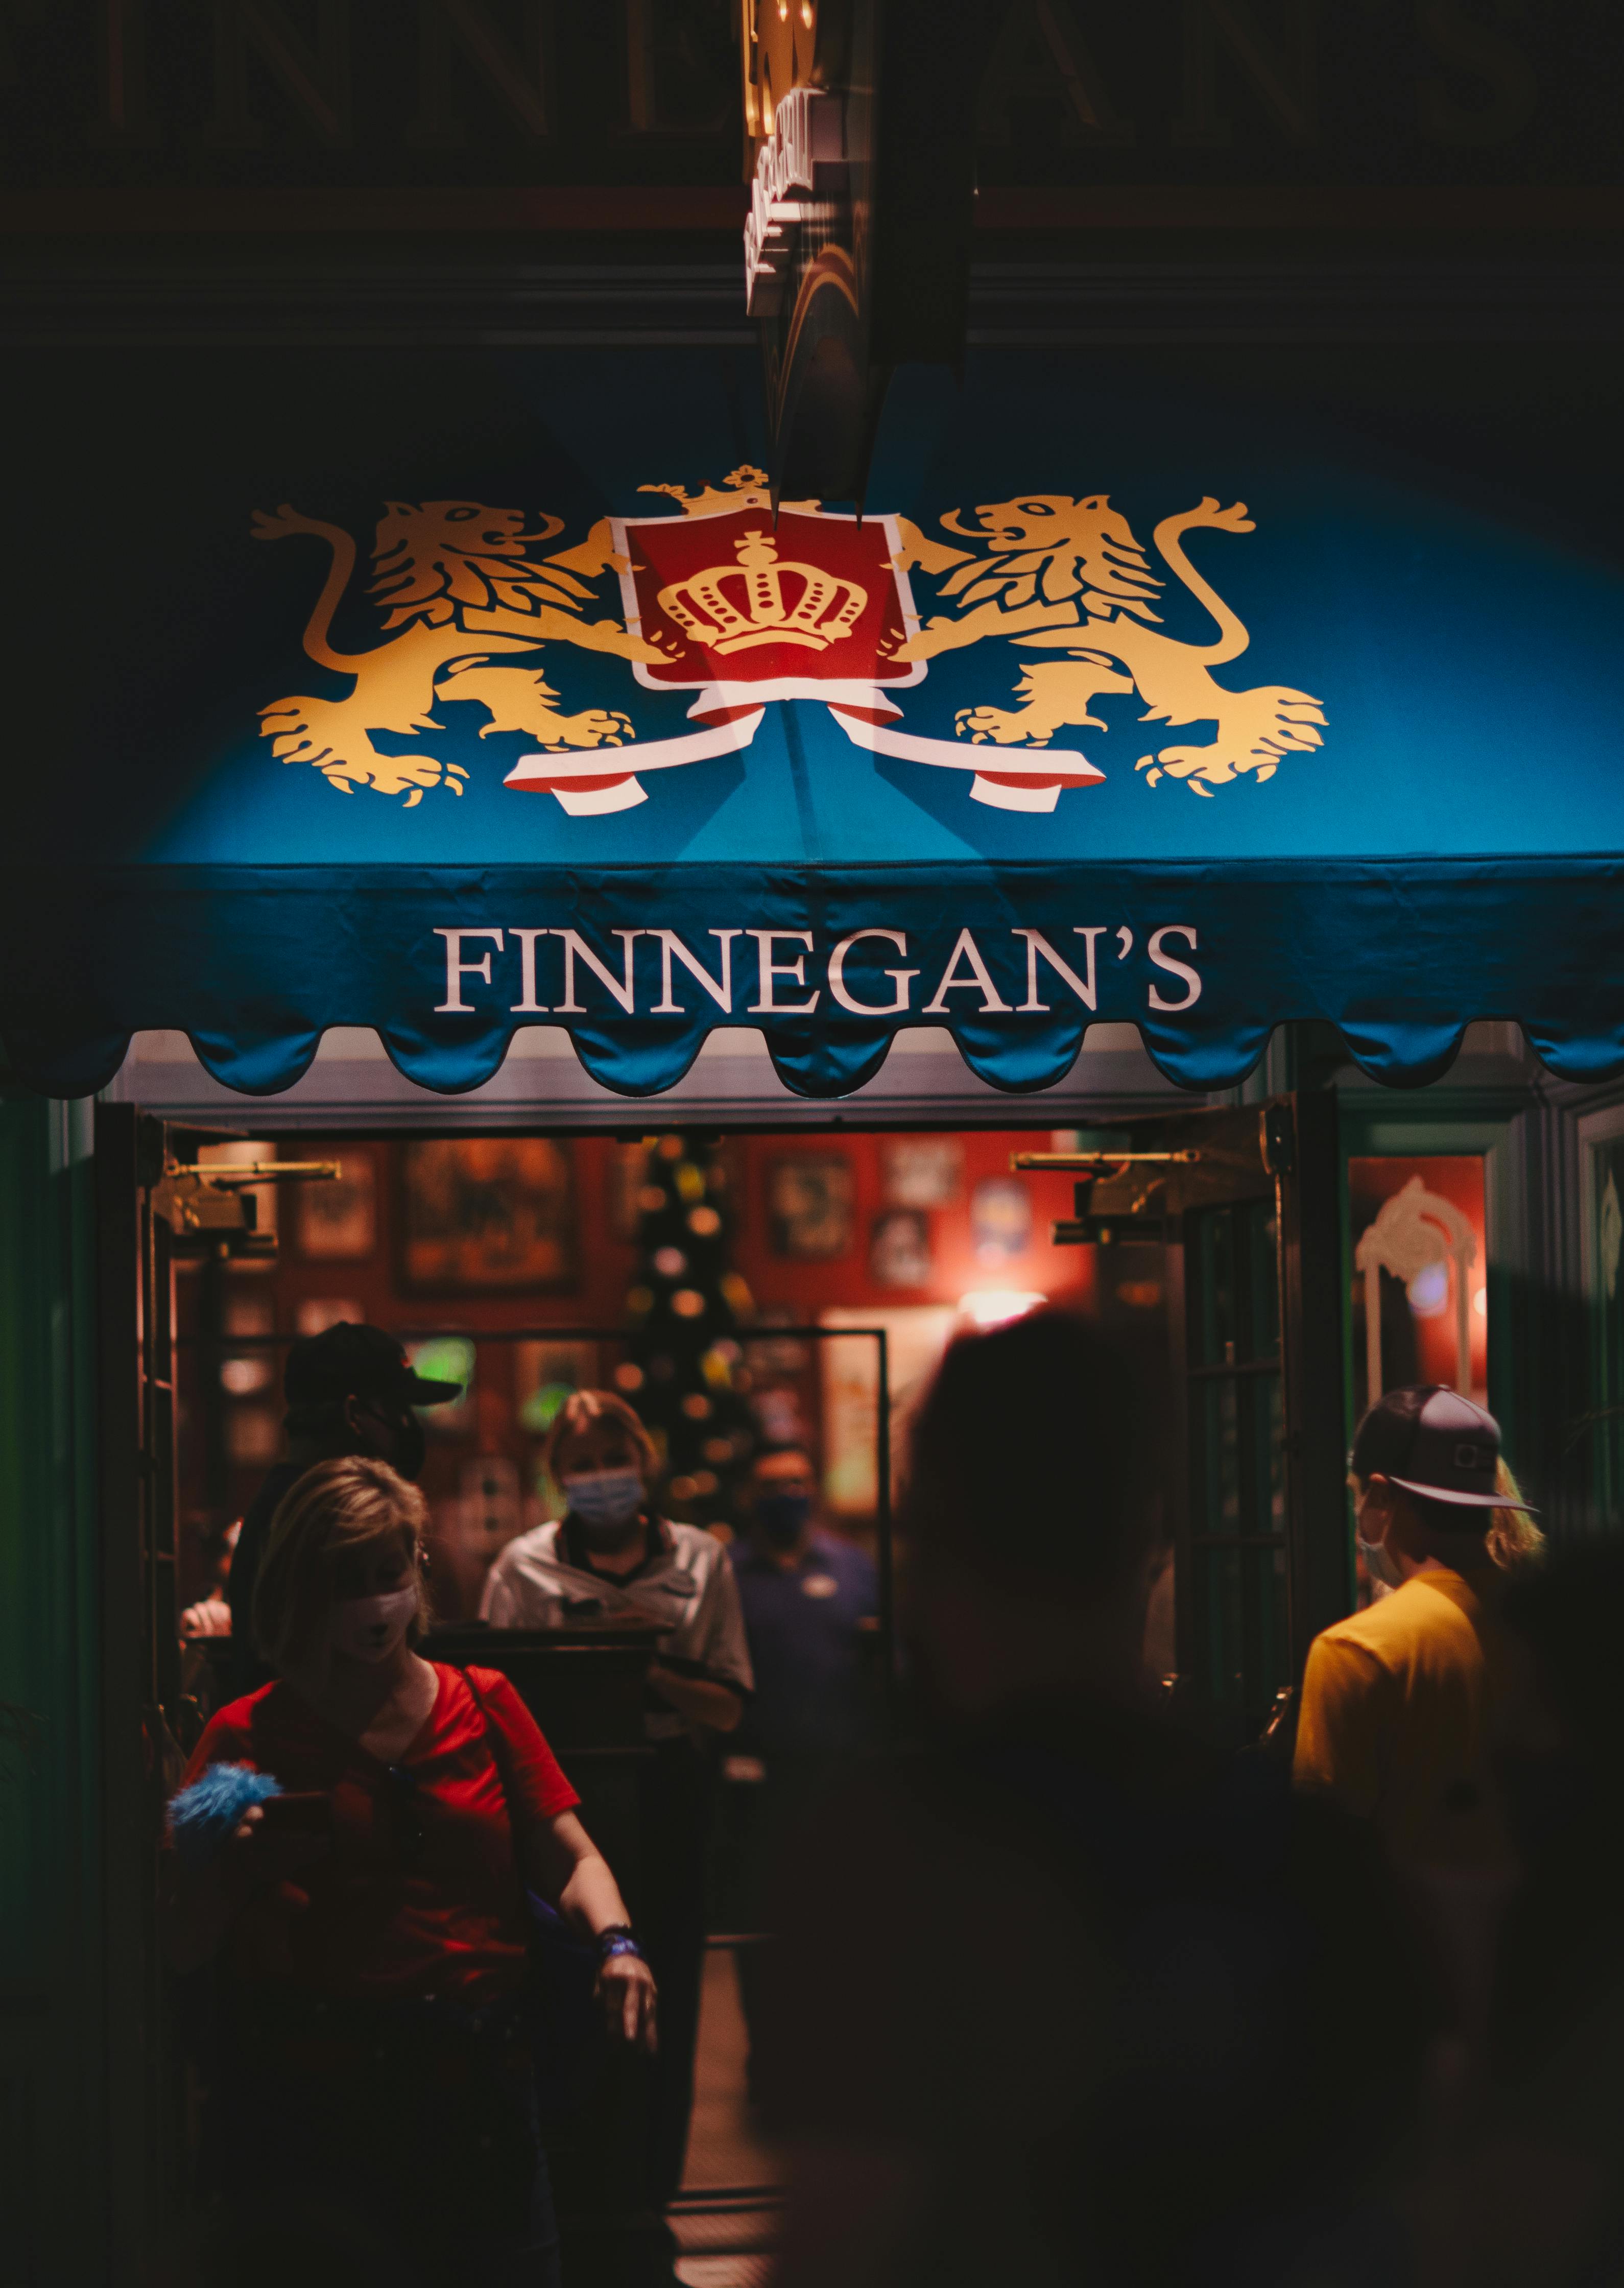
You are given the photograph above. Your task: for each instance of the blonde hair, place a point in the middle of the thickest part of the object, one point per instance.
(339, 1509)
(581, 1410)
(1514, 1541)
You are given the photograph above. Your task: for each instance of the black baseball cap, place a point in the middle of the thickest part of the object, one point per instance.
(1430, 1440)
(347, 1361)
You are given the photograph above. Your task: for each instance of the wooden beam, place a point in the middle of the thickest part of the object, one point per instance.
(723, 207)
(566, 207)
(1364, 207)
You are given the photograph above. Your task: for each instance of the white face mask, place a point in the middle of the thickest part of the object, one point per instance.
(606, 1502)
(1378, 1564)
(369, 1628)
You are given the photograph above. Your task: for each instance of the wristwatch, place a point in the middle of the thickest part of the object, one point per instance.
(617, 1938)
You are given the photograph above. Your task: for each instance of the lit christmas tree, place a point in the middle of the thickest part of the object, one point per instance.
(685, 1375)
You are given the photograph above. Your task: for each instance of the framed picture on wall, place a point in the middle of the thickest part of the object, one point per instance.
(1000, 1219)
(543, 1375)
(486, 1214)
(920, 1171)
(811, 1205)
(337, 1221)
(899, 1248)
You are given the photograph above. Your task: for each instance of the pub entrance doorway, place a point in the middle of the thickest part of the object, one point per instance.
(1217, 1229)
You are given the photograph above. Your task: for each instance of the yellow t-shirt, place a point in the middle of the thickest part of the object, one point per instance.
(1397, 1717)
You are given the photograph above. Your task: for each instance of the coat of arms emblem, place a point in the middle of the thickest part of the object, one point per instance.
(742, 610)
(745, 609)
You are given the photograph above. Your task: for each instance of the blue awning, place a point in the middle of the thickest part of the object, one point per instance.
(447, 694)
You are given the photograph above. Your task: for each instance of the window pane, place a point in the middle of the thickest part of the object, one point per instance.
(1242, 1642)
(1264, 1479)
(1217, 1586)
(1419, 1222)
(1212, 1320)
(1216, 1508)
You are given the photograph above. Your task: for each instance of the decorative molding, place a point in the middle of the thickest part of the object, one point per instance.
(1129, 303)
(215, 211)
(1402, 207)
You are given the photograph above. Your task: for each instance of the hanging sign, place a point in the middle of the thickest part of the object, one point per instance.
(434, 719)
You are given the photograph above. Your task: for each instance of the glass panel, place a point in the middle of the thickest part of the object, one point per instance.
(1263, 1477)
(1217, 1505)
(1217, 1590)
(1212, 1321)
(1235, 1301)
(1242, 1644)
(1419, 1222)
(1263, 1280)
(1269, 1649)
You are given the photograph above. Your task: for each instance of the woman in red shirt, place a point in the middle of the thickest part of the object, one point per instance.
(375, 2085)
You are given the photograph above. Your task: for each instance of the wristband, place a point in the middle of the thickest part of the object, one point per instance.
(617, 1939)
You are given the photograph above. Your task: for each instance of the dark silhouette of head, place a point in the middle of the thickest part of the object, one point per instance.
(1029, 1518)
(352, 1390)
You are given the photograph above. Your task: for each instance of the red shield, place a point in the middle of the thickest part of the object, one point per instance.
(813, 607)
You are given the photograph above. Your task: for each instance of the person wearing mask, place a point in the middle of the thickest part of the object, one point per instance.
(1513, 1543)
(609, 1554)
(810, 1603)
(370, 1920)
(1401, 1702)
(349, 1390)
(1088, 1960)
(809, 1599)
(1398, 1701)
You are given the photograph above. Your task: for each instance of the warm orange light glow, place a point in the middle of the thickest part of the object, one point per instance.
(995, 1307)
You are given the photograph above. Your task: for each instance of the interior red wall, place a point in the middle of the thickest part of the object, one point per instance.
(783, 1286)
(597, 1297)
(778, 1282)
(607, 1261)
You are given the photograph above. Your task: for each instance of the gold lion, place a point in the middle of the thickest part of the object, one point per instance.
(1069, 575)
(446, 572)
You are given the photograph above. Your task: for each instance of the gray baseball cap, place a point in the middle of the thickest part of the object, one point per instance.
(1432, 1441)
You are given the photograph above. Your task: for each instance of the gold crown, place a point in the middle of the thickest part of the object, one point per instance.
(732, 606)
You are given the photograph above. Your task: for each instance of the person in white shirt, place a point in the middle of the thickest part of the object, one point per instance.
(611, 1552)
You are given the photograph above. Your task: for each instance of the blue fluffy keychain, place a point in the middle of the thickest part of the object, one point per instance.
(209, 1812)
